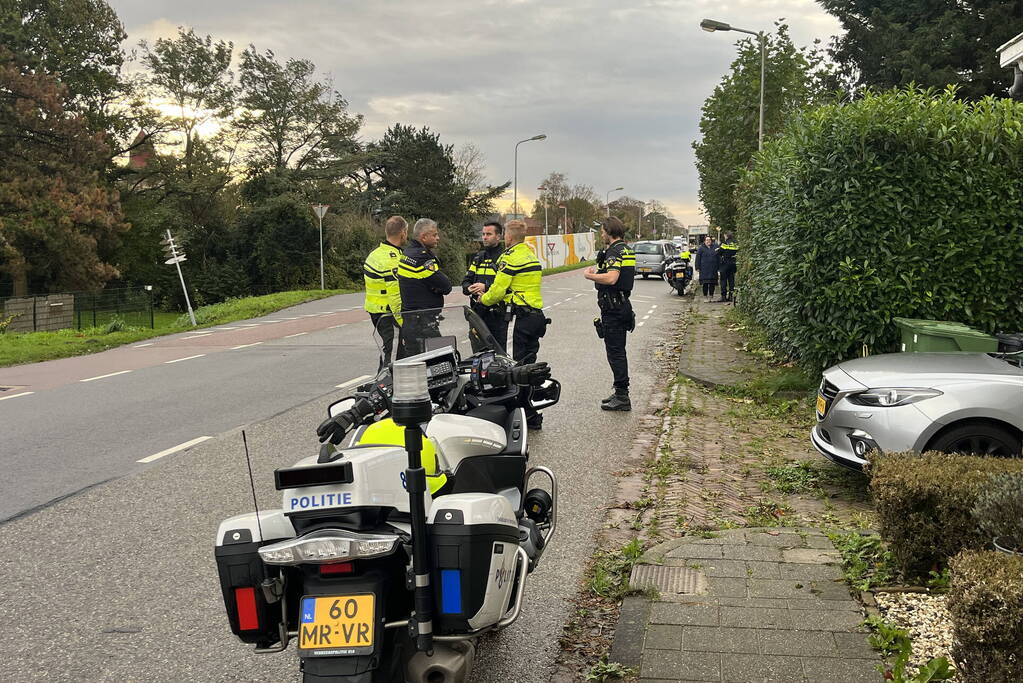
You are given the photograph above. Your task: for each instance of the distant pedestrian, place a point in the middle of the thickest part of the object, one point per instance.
(726, 255)
(707, 262)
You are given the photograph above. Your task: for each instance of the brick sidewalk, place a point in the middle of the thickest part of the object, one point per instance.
(745, 604)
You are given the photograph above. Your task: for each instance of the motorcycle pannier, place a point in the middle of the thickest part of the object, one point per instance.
(474, 539)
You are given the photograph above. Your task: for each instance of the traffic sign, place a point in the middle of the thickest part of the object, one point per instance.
(175, 259)
(320, 210)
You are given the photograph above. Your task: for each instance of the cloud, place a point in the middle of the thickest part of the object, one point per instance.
(616, 85)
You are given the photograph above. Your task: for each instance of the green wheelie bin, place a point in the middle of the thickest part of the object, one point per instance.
(937, 335)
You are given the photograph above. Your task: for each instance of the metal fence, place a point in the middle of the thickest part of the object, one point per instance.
(79, 310)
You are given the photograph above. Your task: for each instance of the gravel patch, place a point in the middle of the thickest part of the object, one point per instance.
(926, 618)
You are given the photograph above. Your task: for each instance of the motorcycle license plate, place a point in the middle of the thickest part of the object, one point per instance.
(644, 270)
(338, 625)
(822, 406)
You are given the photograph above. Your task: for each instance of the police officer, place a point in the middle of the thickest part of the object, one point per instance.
(726, 266)
(383, 298)
(613, 278)
(482, 270)
(422, 286)
(517, 285)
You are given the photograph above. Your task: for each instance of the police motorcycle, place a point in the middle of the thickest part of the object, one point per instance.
(678, 273)
(414, 529)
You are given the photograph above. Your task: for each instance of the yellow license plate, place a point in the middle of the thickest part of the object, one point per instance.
(644, 270)
(337, 625)
(822, 405)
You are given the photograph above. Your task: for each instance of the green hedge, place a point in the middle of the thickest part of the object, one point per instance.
(904, 203)
(925, 505)
(985, 601)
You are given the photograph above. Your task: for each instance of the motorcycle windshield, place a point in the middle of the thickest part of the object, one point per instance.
(414, 332)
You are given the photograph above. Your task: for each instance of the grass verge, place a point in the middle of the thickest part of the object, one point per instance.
(562, 269)
(32, 347)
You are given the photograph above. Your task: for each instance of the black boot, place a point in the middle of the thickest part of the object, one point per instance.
(618, 402)
(534, 421)
(609, 398)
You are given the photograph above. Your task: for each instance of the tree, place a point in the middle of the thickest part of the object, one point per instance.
(193, 73)
(470, 167)
(730, 120)
(890, 43)
(78, 42)
(290, 118)
(56, 216)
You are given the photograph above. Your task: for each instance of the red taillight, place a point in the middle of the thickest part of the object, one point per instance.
(336, 568)
(248, 618)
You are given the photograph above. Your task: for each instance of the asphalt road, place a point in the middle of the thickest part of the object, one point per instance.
(118, 582)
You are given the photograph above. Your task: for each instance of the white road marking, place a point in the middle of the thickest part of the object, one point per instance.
(324, 315)
(646, 317)
(139, 346)
(309, 315)
(291, 318)
(224, 329)
(639, 324)
(654, 306)
(178, 360)
(198, 336)
(24, 393)
(175, 449)
(271, 321)
(250, 325)
(297, 334)
(356, 380)
(112, 374)
(334, 327)
(245, 346)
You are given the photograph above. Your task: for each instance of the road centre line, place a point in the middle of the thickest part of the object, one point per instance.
(197, 336)
(654, 306)
(245, 346)
(297, 334)
(175, 449)
(178, 360)
(639, 324)
(224, 329)
(646, 317)
(111, 374)
(24, 393)
(356, 380)
(139, 346)
(309, 315)
(291, 318)
(334, 327)
(250, 325)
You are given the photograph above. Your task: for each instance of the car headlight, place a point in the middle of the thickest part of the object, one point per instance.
(889, 397)
(327, 546)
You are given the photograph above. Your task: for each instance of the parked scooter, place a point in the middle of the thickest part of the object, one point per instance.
(392, 554)
(678, 273)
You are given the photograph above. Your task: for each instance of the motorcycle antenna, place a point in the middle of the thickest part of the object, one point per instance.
(252, 484)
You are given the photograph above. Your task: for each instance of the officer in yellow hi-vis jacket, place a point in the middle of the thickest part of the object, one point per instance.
(517, 284)
(383, 298)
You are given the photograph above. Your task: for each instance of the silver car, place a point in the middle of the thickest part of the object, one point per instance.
(950, 402)
(651, 256)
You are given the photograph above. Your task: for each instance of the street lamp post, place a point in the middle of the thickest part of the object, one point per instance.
(515, 190)
(543, 188)
(711, 26)
(639, 230)
(607, 199)
(564, 228)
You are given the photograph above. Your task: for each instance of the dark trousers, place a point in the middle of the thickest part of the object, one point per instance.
(617, 323)
(495, 322)
(384, 325)
(708, 288)
(727, 273)
(526, 336)
(416, 327)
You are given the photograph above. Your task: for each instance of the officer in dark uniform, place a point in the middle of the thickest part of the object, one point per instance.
(613, 277)
(422, 286)
(482, 270)
(726, 266)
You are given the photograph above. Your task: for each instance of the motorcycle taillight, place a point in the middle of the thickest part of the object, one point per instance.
(248, 616)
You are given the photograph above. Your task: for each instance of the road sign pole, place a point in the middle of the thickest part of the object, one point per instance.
(177, 264)
(321, 210)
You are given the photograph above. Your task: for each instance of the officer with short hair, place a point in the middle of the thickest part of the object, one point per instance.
(482, 270)
(517, 285)
(613, 278)
(383, 297)
(422, 286)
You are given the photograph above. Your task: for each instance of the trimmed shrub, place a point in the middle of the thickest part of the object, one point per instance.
(904, 203)
(999, 509)
(925, 504)
(985, 600)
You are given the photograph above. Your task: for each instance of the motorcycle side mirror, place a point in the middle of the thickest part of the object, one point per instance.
(338, 407)
(546, 396)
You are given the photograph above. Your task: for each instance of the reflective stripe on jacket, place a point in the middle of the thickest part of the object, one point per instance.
(421, 283)
(482, 269)
(518, 279)
(379, 276)
(619, 256)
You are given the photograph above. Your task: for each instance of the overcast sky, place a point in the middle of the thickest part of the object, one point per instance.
(616, 85)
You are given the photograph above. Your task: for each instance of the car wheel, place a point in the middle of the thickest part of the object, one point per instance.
(978, 439)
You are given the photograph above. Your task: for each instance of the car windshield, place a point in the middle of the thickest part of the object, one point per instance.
(648, 248)
(434, 328)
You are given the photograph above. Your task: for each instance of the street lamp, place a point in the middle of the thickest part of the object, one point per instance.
(710, 26)
(543, 188)
(564, 229)
(515, 191)
(639, 230)
(607, 199)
